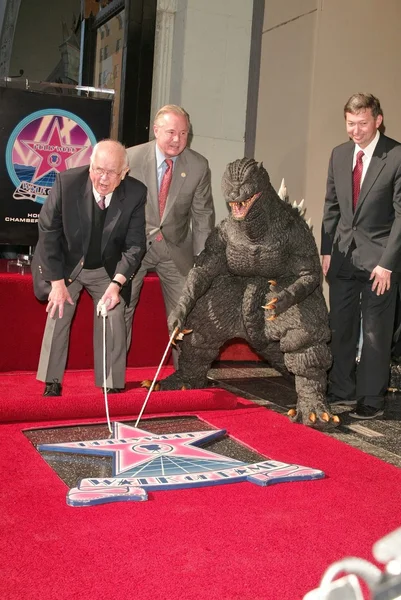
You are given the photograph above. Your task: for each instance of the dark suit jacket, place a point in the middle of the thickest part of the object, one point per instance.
(375, 227)
(189, 214)
(65, 227)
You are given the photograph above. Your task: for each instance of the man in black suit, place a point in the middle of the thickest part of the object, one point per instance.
(361, 246)
(91, 235)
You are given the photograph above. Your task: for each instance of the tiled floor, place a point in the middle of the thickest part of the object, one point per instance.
(254, 381)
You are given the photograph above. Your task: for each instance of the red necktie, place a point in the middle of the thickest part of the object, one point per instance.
(356, 178)
(164, 188)
(102, 202)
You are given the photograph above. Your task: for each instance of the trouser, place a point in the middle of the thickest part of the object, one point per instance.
(350, 296)
(171, 280)
(396, 348)
(54, 351)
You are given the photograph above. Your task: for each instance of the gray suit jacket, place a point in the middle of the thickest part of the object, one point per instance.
(375, 227)
(189, 214)
(65, 225)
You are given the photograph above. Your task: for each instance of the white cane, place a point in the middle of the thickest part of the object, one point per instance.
(155, 377)
(102, 310)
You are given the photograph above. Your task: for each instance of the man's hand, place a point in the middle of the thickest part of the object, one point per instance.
(381, 280)
(326, 258)
(58, 296)
(112, 295)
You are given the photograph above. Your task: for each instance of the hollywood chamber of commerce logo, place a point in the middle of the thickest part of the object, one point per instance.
(143, 462)
(43, 144)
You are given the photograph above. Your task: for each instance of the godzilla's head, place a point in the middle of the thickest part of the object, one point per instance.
(244, 181)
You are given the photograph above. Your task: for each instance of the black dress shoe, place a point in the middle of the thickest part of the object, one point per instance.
(53, 388)
(364, 411)
(114, 390)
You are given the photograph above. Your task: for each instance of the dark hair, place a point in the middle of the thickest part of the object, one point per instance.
(359, 102)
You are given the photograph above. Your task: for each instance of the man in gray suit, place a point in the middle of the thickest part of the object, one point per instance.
(91, 235)
(361, 252)
(179, 209)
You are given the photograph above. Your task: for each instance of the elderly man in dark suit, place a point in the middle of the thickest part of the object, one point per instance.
(179, 209)
(361, 245)
(91, 235)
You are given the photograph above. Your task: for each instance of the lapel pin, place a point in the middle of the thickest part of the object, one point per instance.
(183, 174)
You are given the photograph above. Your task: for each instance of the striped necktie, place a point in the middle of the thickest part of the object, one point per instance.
(165, 186)
(163, 192)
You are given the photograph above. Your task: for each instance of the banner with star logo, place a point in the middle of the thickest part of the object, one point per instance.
(42, 135)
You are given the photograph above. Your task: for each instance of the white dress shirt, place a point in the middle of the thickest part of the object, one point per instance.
(368, 153)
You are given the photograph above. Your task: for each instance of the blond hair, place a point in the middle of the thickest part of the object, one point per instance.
(171, 108)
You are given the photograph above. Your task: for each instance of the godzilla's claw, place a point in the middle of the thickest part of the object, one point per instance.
(180, 335)
(271, 304)
(147, 383)
(319, 418)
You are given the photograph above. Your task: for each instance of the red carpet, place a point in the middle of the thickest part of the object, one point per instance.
(22, 399)
(26, 317)
(23, 329)
(236, 541)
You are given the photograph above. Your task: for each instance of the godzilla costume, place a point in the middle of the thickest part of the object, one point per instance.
(259, 279)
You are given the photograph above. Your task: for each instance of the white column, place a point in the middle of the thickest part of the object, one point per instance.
(166, 10)
(8, 18)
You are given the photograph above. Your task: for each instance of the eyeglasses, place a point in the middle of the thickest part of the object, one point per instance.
(109, 173)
